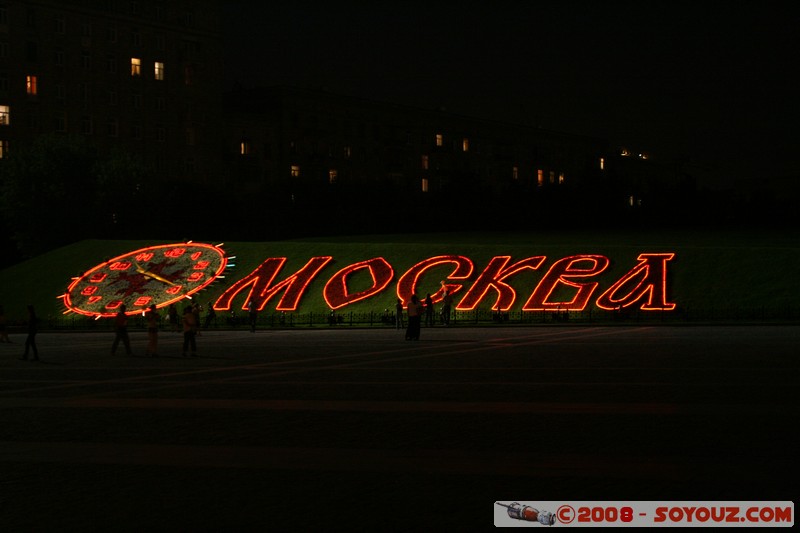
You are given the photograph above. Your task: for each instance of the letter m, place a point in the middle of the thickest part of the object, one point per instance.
(261, 288)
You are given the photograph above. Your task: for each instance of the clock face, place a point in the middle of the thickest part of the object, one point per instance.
(160, 275)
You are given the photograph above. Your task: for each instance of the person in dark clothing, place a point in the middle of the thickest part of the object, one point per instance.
(189, 331)
(428, 310)
(30, 341)
(211, 317)
(121, 331)
(414, 318)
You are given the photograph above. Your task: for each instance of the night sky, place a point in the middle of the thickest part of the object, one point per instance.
(712, 82)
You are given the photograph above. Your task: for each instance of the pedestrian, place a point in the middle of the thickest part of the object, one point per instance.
(30, 340)
(398, 311)
(172, 313)
(252, 311)
(210, 317)
(121, 331)
(196, 312)
(414, 318)
(428, 310)
(3, 326)
(447, 304)
(152, 318)
(189, 331)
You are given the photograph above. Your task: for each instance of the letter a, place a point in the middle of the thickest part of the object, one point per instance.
(648, 278)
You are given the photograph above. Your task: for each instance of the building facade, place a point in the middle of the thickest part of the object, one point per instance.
(144, 75)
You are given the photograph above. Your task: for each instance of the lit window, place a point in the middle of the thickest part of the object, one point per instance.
(602, 164)
(424, 162)
(295, 171)
(5, 115)
(515, 173)
(333, 174)
(424, 184)
(3, 149)
(540, 177)
(560, 178)
(31, 85)
(439, 139)
(643, 156)
(624, 152)
(136, 66)
(465, 144)
(244, 148)
(159, 71)
(552, 177)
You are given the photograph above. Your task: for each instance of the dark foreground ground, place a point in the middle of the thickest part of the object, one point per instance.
(360, 429)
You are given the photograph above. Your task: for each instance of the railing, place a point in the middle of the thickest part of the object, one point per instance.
(346, 319)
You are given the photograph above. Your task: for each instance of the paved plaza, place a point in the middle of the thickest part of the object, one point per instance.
(360, 429)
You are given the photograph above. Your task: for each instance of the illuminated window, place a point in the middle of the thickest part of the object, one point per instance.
(602, 164)
(424, 184)
(333, 174)
(3, 149)
(643, 156)
(295, 171)
(540, 177)
(439, 139)
(244, 147)
(552, 177)
(5, 115)
(159, 71)
(624, 152)
(136, 66)
(424, 162)
(515, 173)
(465, 144)
(30, 85)
(560, 178)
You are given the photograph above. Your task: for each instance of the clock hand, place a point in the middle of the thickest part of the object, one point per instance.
(152, 275)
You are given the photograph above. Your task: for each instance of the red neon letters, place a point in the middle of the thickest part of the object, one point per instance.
(567, 285)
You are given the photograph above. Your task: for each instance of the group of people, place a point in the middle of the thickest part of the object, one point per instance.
(189, 325)
(417, 308)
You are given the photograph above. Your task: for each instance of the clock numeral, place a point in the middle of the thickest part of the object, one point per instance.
(95, 299)
(202, 265)
(195, 256)
(174, 290)
(88, 291)
(98, 278)
(144, 256)
(113, 304)
(175, 252)
(196, 276)
(142, 301)
(121, 265)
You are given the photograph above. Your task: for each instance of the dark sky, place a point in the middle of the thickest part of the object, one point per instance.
(713, 81)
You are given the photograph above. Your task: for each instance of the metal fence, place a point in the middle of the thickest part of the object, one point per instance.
(487, 318)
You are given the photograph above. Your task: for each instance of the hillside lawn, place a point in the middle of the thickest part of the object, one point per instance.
(727, 269)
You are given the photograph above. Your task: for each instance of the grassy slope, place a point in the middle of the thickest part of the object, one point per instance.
(736, 270)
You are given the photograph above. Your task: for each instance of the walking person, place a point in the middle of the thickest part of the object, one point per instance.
(210, 317)
(172, 313)
(30, 340)
(414, 318)
(428, 310)
(121, 331)
(448, 302)
(398, 311)
(152, 318)
(252, 310)
(189, 331)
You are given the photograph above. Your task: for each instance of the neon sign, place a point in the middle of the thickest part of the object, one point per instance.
(576, 276)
